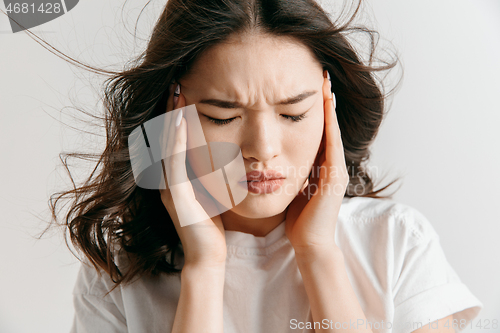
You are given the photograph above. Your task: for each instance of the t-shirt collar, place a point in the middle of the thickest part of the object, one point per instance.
(242, 239)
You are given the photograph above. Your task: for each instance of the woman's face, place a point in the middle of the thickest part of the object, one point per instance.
(261, 81)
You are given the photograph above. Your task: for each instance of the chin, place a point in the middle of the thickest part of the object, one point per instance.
(261, 206)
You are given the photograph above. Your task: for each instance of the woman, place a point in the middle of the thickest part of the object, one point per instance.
(311, 251)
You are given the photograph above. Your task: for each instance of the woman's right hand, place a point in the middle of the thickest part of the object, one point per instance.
(204, 242)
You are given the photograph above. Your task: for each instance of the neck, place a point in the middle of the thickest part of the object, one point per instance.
(259, 227)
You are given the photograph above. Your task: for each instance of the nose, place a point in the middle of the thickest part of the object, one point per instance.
(261, 139)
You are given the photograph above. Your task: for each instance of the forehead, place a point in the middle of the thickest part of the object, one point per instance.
(255, 62)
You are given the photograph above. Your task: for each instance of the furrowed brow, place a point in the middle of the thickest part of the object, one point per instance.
(299, 98)
(236, 105)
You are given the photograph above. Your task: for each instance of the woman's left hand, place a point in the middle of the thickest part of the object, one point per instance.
(311, 220)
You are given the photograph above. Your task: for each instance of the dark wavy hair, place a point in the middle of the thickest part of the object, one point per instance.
(110, 211)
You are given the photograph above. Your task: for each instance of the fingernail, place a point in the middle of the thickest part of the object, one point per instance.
(334, 100)
(178, 120)
(176, 94)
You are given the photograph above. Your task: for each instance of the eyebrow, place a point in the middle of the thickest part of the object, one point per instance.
(235, 105)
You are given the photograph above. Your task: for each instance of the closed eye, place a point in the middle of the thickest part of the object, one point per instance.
(222, 122)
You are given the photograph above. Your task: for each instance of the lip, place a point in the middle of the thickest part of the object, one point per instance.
(259, 176)
(262, 187)
(262, 181)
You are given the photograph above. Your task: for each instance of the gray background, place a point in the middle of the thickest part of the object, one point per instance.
(441, 135)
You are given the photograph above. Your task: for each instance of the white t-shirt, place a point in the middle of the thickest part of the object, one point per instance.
(393, 258)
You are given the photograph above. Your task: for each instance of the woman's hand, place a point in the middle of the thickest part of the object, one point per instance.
(310, 222)
(204, 242)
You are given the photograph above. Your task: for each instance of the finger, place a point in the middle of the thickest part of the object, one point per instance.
(166, 132)
(170, 127)
(318, 161)
(183, 192)
(170, 141)
(320, 156)
(334, 150)
(177, 144)
(169, 118)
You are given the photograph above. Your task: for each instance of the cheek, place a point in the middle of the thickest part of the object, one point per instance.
(215, 133)
(302, 145)
(313, 123)
(198, 134)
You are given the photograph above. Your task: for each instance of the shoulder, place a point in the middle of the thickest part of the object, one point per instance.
(392, 249)
(92, 281)
(98, 307)
(372, 220)
(380, 237)
(95, 281)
